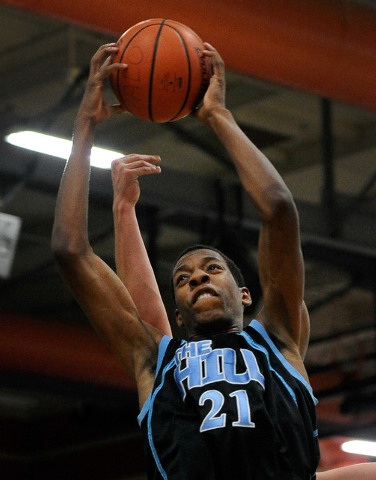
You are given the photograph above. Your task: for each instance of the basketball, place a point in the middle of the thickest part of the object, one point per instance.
(167, 74)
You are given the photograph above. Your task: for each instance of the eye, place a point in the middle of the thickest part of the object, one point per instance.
(181, 278)
(213, 267)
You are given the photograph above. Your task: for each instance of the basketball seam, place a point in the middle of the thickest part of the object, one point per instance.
(122, 56)
(152, 70)
(189, 72)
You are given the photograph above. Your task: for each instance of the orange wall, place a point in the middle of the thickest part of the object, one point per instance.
(326, 47)
(56, 349)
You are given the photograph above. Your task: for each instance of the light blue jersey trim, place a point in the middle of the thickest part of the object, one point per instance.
(150, 414)
(256, 325)
(161, 353)
(262, 349)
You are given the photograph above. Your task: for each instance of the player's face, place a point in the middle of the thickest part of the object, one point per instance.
(207, 297)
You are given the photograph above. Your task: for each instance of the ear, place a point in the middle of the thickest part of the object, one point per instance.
(178, 318)
(246, 297)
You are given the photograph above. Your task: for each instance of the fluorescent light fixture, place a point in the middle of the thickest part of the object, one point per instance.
(361, 447)
(59, 147)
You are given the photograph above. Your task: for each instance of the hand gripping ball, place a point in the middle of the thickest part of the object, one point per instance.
(167, 74)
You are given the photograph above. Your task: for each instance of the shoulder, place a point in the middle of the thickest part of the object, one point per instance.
(283, 343)
(279, 330)
(149, 360)
(152, 375)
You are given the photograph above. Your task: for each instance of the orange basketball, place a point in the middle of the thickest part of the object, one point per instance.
(167, 74)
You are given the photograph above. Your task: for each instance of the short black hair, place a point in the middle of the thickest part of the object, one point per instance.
(234, 269)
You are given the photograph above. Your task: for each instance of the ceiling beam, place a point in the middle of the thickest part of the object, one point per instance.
(327, 47)
(354, 250)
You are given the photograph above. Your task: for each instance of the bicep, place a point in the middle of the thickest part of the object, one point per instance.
(281, 271)
(111, 311)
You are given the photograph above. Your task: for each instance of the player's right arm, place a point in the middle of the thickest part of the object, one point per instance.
(98, 290)
(132, 261)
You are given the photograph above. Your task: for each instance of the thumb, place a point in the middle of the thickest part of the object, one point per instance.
(117, 108)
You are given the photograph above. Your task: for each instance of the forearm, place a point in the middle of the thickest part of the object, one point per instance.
(260, 179)
(70, 226)
(134, 268)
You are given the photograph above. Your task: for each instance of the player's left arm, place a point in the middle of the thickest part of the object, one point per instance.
(281, 264)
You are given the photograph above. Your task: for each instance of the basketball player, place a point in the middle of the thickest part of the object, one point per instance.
(230, 403)
(266, 424)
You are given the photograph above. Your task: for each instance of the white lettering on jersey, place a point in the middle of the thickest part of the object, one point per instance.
(197, 364)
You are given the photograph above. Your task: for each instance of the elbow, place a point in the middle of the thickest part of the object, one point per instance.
(279, 204)
(65, 248)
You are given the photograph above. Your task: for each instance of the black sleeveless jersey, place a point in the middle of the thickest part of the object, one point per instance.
(229, 407)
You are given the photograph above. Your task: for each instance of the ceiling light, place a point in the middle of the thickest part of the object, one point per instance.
(360, 447)
(59, 147)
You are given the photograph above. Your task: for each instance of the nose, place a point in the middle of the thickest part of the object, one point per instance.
(198, 278)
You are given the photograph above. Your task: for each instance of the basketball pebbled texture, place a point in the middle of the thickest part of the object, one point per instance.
(167, 74)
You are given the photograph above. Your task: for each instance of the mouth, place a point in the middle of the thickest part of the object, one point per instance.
(202, 294)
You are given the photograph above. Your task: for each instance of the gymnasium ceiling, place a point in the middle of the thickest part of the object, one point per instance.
(63, 399)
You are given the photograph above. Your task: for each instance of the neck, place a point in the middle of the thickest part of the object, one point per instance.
(218, 327)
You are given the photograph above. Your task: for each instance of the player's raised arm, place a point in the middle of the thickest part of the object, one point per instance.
(132, 261)
(98, 290)
(280, 259)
